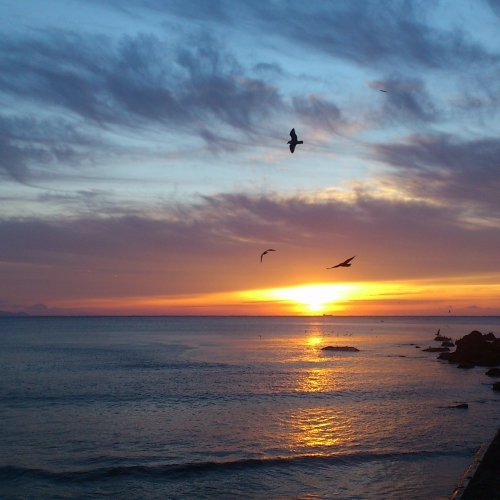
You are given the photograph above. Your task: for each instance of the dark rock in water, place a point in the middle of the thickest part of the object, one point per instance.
(417, 347)
(496, 386)
(466, 366)
(489, 336)
(442, 338)
(436, 349)
(493, 372)
(447, 344)
(474, 348)
(339, 348)
(463, 406)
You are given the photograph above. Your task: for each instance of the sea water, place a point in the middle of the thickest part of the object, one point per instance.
(237, 407)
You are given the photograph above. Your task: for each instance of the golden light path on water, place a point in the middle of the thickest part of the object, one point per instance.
(321, 429)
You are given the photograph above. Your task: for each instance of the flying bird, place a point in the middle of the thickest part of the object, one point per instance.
(264, 253)
(294, 140)
(346, 263)
(380, 90)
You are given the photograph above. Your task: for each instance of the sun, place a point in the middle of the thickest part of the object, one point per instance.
(313, 299)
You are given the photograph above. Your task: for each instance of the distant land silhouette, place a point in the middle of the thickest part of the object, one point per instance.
(10, 313)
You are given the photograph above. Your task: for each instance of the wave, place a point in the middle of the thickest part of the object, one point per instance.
(182, 471)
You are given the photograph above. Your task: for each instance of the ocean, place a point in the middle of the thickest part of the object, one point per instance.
(237, 407)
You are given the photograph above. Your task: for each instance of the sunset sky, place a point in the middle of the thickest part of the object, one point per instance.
(144, 164)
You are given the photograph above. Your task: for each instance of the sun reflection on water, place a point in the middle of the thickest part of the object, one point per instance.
(314, 428)
(315, 380)
(314, 341)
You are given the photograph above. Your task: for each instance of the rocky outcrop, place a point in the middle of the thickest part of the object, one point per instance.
(476, 350)
(339, 348)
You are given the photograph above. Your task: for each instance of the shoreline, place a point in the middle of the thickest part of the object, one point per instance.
(481, 480)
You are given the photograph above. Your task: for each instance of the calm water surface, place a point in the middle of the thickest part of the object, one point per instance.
(222, 408)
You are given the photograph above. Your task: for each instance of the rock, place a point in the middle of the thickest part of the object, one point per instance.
(436, 349)
(417, 347)
(447, 344)
(466, 366)
(489, 336)
(463, 406)
(493, 372)
(496, 386)
(339, 348)
(475, 349)
(442, 338)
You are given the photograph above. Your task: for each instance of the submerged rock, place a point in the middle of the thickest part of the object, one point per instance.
(339, 348)
(466, 366)
(493, 372)
(496, 386)
(462, 406)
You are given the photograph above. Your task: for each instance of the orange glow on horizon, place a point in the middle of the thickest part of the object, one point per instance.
(417, 297)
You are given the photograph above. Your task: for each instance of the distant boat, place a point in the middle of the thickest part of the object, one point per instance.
(327, 314)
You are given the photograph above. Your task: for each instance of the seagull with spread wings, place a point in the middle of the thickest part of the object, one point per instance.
(294, 140)
(264, 253)
(346, 263)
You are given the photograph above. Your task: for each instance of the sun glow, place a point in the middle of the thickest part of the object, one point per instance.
(399, 298)
(314, 298)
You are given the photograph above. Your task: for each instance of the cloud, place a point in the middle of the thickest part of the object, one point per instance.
(405, 101)
(318, 112)
(446, 169)
(370, 35)
(214, 10)
(27, 142)
(389, 236)
(367, 33)
(495, 6)
(271, 68)
(137, 80)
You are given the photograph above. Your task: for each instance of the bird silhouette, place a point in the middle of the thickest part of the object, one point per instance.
(294, 140)
(380, 90)
(264, 253)
(346, 263)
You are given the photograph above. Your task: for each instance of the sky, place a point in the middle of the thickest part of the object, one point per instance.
(144, 164)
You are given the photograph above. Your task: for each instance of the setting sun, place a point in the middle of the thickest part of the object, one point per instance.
(315, 298)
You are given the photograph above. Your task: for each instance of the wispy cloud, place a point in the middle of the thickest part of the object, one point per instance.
(136, 80)
(448, 170)
(406, 101)
(27, 142)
